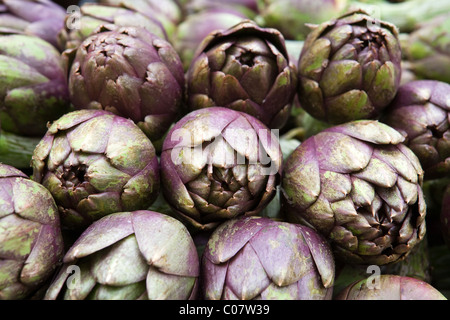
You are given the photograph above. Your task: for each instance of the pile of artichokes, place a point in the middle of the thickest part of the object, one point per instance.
(247, 150)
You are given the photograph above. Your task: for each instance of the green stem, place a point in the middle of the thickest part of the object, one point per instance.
(16, 150)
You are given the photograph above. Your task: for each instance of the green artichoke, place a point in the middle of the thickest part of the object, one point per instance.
(33, 86)
(361, 188)
(427, 49)
(141, 255)
(258, 258)
(349, 68)
(96, 163)
(421, 111)
(293, 17)
(41, 18)
(93, 16)
(218, 164)
(31, 244)
(390, 287)
(244, 68)
(132, 73)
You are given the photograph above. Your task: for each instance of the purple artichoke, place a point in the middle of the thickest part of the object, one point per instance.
(421, 111)
(361, 188)
(390, 287)
(132, 73)
(244, 68)
(218, 164)
(33, 86)
(141, 255)
(31, 244)
(349, 68)
(258, 258)
(41, 18)
(96, 163)
(94, 16)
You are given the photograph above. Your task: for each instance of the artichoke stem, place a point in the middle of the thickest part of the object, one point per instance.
(17, 150)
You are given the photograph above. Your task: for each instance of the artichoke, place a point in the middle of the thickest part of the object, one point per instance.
(31, 243)
(93, 16)
(41, 18)
(349, 68)
(96, 163)
(391, 287)
(167, 12)
(33, 86)
(258, 258)
(293, 17)
(141, 255)
(218, 164)
(197, 26)
(132, 73)
(428, 49)
(360, 187)
(244, 68)
(421, 111)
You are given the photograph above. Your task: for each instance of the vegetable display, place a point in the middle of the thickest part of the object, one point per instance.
(204, 150)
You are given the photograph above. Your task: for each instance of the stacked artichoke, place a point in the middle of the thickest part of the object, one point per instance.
(190, 150)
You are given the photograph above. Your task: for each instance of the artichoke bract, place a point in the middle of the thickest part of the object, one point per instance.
(132, 73)
(41, 18)
(244, 68)
(421, 111)
(33, 85)
(258, 258)
(96, 163)
(361, 188)
(218, 164)
(31, 244)
(349, 68)
(94, 16)
(390, 287)
(141, 255)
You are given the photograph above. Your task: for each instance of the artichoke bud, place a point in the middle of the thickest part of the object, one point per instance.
(31, 243)
(349, 68)
(421, 112)
(219, 164)
(140, 255)
(361, 187)
(255, 258)
(96, 163)
(132, 73)
(244, 68)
